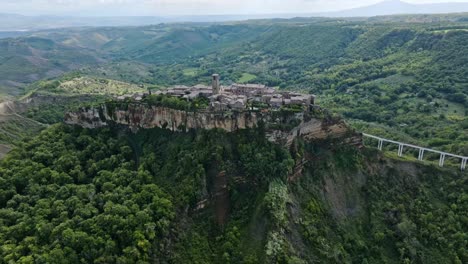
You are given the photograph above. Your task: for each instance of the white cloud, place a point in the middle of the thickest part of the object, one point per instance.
(175, 7)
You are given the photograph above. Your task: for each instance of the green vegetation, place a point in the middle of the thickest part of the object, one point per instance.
(58, 206)
(14, 128)
(177, 103)
(246, 77)
(52, 109)
(81, 196)
(406, 77)
(28, 59)
(76, 84)
(107, 196)
(168, 101)
(390, 71)
(191, 72)
(85, 85)
(395, 227)
(101, 197)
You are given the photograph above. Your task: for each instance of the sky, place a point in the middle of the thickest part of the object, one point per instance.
(182, 7)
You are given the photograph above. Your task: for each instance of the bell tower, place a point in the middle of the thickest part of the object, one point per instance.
(215, 84)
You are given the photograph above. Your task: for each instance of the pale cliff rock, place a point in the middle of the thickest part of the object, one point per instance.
(141, 116)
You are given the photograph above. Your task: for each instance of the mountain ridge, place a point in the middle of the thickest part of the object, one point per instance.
(397, 7)
(15, 22)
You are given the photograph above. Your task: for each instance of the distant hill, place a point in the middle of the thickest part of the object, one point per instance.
(394, 7)
(391, 76)
(15, 22)
(25, 60)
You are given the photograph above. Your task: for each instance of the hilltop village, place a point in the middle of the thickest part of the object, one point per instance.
(233, 97)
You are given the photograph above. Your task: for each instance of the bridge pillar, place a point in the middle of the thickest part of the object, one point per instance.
(442, 160)
(380, 146)
(463, 164)
(400, 150)
(421, 154)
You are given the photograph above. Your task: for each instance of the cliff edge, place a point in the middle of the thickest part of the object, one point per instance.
(281, 126)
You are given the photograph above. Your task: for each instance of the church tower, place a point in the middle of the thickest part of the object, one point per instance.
(215, 84)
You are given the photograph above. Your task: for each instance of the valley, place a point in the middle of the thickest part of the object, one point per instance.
(236, 142)
(412, 73)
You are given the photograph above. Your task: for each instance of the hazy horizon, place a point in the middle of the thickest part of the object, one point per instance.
(184, 7)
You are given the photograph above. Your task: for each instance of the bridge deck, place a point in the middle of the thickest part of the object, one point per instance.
(401, 146)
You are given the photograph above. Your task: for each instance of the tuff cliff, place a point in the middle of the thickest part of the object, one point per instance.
(281, 127)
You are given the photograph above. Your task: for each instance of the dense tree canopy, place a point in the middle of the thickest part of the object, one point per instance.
(90, 196)
(74, 195)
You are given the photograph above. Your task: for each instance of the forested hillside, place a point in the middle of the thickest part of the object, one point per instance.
(74, 195)
(403, 80)
(28, 59)
(107, 196)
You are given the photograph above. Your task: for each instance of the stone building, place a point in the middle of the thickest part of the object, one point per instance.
(237, 96)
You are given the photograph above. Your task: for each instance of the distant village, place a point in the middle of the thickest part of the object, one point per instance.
(233, 97)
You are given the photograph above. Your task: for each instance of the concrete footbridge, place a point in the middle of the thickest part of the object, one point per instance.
(422, 150)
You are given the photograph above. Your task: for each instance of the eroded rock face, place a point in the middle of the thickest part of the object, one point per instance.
(280, 128)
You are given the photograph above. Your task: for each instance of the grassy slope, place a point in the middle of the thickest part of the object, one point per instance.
(92, 86)
(15, 128)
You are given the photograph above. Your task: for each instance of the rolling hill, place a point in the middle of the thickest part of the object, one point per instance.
(397, 7)
(28, 59)
(405, 80)
(16, 22)
(116, 194)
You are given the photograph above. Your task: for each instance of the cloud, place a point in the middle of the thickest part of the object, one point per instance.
(168, 7)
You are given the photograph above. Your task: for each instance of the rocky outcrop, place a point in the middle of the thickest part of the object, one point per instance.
(280, 127)
(7, 108)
